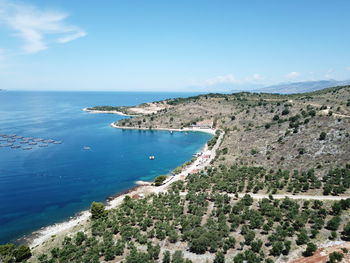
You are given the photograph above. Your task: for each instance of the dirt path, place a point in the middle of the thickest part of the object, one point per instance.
(282, 196)
(305, 197)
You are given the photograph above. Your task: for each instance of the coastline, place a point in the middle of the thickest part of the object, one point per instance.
(108, 112)
(193, 129)
(39, 237)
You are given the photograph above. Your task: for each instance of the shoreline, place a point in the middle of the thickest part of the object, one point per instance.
(194, 129)
(40, 236)
(109, 112)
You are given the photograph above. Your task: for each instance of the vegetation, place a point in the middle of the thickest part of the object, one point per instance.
(272, 144)
(12, 253)
(159, 180)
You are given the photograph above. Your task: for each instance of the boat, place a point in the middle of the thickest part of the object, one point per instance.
(10, 140)
(87, 148)
(26, 148)
(32, 143)
(43, 145)
(50, 141)
(6, 145)
(57, 142)
(23, 142)
(152, 157)
(15, 146)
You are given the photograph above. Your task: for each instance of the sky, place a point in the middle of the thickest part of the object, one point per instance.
(181, 45)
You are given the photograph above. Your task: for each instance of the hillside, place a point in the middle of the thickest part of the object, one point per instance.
(264, 129)
(276, 190)
(304, 86)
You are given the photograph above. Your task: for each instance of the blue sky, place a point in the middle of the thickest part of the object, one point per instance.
(171, 45)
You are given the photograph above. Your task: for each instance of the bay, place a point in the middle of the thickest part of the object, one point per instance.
(46, 185)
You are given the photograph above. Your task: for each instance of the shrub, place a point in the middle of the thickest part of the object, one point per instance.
(335, 257)
(97, 210)
(285, 112)
(310, 250)
(159, 180)
(322, 136)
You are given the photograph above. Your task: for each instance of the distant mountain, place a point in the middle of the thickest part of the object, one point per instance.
(300, 87)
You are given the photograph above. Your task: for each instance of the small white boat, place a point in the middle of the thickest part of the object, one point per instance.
(86, 148)
(152, 157)
(57, 142)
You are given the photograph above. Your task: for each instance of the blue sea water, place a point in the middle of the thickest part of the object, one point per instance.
(47, 185)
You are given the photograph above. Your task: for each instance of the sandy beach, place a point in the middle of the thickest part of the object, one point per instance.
(144, 188)
(108, 112)
(195, 129)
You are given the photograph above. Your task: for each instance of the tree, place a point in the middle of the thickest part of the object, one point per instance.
(346, 231)
(97, 210)
(219, 257)
(22, 253)
(322, 136)
(159, 180)
(199, 245)
(335, 257)
(256, 245)
(177, 257)
(310, 250)
(285, 111)
(277, 248)
(336, 208)
(334, 223)
(166, 256)
(302, 238)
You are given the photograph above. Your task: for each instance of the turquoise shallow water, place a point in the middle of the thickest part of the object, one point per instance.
(45, 185)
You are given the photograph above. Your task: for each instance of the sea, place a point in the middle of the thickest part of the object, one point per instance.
(50, 182)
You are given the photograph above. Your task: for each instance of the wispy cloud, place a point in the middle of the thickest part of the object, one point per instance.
(37, 28)
(293, 75)
(224, 79)
(232, 79)
(329, 74)
(257, 77)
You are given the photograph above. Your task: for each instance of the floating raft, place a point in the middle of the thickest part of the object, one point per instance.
(10, 139)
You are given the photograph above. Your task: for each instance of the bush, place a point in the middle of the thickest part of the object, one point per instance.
(322, 136)
(97, 210)
(310, 250)
(335, 257)
(285, 112)
(219, 258)
(159, 180)
(22, 253)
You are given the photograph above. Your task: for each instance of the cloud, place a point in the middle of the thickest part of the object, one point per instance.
(257, 77)
(293, 75)
(37, 28)
(225, 79)
(329, 73)
(347, 68)
(230, 80)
